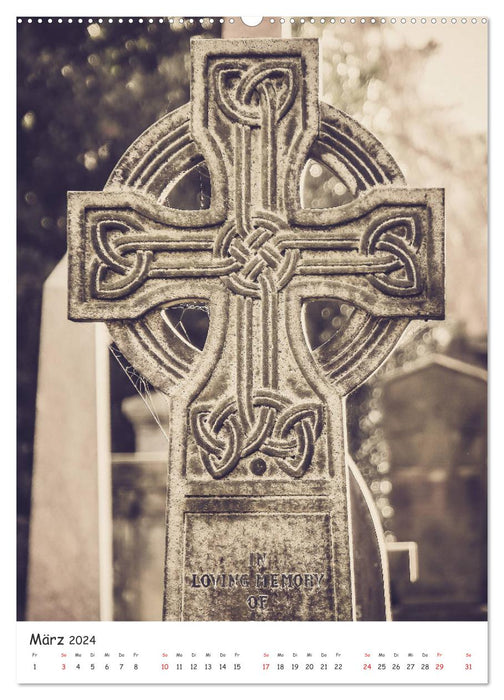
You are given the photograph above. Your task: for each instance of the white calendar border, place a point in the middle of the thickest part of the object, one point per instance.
(293, 8)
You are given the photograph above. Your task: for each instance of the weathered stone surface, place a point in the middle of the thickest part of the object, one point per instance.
(257, 430)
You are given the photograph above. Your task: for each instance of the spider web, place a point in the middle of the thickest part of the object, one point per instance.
(143, 388)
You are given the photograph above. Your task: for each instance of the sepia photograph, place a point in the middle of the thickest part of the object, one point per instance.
(252, 319)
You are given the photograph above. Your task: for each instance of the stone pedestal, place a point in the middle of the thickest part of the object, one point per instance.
(139, 486)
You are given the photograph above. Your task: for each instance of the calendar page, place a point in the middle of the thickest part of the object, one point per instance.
(252, 302)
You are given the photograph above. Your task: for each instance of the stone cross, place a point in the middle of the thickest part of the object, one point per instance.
(258, 521)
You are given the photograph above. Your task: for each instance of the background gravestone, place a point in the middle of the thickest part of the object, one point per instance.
(434, 421)
(71, 489)
(139, 503)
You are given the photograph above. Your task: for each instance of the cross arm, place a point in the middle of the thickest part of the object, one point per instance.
(128, 253)
(390, 241)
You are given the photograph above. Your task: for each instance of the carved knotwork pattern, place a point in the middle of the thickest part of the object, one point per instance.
(255, 252)
(129, 252)
(278, 428)
(117, 253)
(400, 237)
(247, 94)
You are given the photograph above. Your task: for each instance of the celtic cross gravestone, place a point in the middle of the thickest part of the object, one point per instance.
(258, 522)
